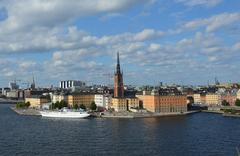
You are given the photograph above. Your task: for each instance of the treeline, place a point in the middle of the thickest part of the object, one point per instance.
(59, 105)
(23, 105)
(62, 104)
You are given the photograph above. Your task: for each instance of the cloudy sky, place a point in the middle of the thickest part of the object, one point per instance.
(173, 41)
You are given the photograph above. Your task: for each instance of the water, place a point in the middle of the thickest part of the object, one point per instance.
(200, 134)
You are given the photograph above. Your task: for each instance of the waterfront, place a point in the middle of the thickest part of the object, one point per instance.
(197, 134)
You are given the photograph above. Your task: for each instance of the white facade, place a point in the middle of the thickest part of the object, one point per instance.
(71, 84)
(58, 98)
(102, 100)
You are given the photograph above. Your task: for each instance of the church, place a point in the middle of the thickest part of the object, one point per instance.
(119, 101)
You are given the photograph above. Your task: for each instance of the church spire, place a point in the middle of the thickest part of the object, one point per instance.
(118, 70)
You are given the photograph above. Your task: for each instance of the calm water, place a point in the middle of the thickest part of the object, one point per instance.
(198, 134)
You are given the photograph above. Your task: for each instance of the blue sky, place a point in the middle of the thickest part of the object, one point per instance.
(177, 41)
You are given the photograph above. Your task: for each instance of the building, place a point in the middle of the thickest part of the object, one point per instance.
(13, 85)
(164, 103)
(59, 97)
(231, 99)
(71, 84)
(80, 98)
(118, 81)
(103, 100)
(213, 99)
(37, 101)
(197, 98)
(238, 94)
(12, 94)
(119, 104)
(132, 103)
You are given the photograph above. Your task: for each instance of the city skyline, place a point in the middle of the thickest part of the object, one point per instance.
(179, 41)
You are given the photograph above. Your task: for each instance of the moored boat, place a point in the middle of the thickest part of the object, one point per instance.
(65, 113)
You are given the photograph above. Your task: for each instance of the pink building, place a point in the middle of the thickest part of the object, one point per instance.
(229, 98)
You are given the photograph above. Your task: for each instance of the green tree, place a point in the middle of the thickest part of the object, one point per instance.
(75, 106)
(93, 106)
(237, 103)
(27, 104)
(82, 106)
(63, 104)
(225, 103)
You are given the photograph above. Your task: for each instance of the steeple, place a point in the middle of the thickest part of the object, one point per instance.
(33, 83)
(118, 70)
(118, 80)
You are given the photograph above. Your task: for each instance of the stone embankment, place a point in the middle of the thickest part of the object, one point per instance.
(29, 111)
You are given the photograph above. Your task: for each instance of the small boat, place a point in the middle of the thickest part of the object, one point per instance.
(65, 113)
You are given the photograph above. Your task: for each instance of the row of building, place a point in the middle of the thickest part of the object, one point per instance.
(215, 98)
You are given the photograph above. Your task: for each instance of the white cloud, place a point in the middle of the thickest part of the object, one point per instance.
(214, 23)
(148, 34)
(207, 3)
(27, 14)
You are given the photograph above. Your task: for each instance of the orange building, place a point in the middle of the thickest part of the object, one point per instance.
(164, 104)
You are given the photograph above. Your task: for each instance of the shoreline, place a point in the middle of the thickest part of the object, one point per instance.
(127, 115)
(26, 112)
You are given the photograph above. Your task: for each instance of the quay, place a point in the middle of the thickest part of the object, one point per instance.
(34, 112)
(26, 112)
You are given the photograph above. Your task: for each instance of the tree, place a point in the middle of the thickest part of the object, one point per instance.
(237, 103)
(93, 106)
(63, 104)
(82, 106)
(75, 106)
(225, 103)
(23, 105)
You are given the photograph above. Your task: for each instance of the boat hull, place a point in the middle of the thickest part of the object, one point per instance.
(64, 114)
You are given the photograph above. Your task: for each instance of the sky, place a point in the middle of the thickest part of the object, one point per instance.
(185, 42)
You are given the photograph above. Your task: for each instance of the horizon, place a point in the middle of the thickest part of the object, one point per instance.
(187, 42)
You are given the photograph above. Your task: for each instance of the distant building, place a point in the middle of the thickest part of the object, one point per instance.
(213, 99)
(80, 98)
(238, 94)
(231, 99)
(197, 98)
(12, 94)
(103, 100)
(5, 91)
(119, 104)
(71, 84)
(59, 97)
(13, 86)
(37, 101)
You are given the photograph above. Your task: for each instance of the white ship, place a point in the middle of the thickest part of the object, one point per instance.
(64, 113)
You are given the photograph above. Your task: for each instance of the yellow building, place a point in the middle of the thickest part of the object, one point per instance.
(36, 102)
(133, 102)
(213, 99)
(197, 98)
(238, 94)
(85, 99)
(119, 104)
(124, 104)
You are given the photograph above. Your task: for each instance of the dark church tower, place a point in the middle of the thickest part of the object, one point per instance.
(118, 81)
